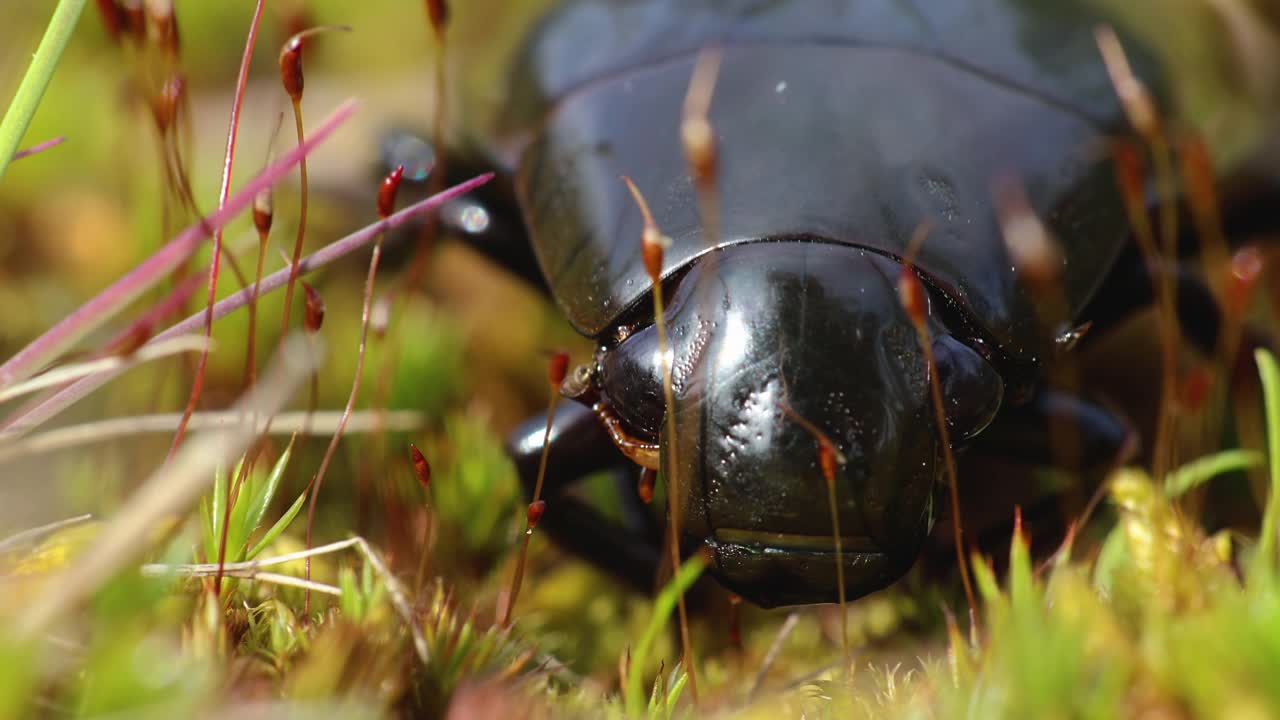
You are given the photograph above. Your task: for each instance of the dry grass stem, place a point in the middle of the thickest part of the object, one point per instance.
(170, 491)
(320, 423)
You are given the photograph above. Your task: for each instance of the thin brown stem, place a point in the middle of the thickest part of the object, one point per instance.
(518, 576)
(222, 540)
(844, 614)
(829, 460)
(1197, 173)
(224, 190)
(673, 487)
(699, 141)
(263, 218)
(1131, 173)
(302, 224)
(1141, 111)
(1166, 450)
(653, 249)
(317, 481)
(949, 460)
(912, 295)
(251, 350)
(435, 182)
(424, 557)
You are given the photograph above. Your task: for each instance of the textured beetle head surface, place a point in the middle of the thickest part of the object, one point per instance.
(773, 346)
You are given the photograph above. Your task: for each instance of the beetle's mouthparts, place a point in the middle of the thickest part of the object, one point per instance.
(773, 569)
(851, 544)
(580, 384)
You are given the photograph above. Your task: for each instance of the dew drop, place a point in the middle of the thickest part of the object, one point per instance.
(473, 219)
(414, 153)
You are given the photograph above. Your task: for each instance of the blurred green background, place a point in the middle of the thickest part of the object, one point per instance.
(75, 218)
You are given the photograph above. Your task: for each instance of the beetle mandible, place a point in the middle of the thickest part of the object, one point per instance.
(841, 126)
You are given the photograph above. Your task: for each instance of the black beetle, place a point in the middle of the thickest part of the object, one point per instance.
(841, 126)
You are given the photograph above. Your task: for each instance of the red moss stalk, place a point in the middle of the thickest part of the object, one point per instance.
(912, 296)
(291, 77)
(653, 246)
(698, 139)
(233, 128)
(557, 368)
(386, 200)
(422, 470)
(1143, 116)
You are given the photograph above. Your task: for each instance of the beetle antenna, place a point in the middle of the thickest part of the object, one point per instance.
(911, 295)
(1141, 111)
(653, 246)
(557, 369)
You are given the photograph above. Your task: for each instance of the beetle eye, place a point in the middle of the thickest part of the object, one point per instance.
(631, 381)
(971, 389)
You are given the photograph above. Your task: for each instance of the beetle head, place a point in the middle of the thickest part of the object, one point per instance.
(776, 344)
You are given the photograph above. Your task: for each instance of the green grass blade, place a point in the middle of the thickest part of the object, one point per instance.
(206, 526)
(260, 503)
(656, 696)
(984, 578)
(1271, 515)
(1111, 558)
(662, 608)
(23, 107)
(275, 530)
(351, 601)
(217, 511)
(1197, 472)
(1022, 592)
(679, 679)
(238, 528)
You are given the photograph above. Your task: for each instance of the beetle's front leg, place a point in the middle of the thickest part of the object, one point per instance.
(487, 219)
(1025, 432)
(579, 446)
(1130, 288)
(1028, 436)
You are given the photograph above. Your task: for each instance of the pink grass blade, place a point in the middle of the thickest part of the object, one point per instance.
(39, 148)
(330, 253)
(169, 305)
(93, 313)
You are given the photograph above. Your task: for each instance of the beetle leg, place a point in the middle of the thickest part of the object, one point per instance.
(1128, 289)
(644, 454)
(486, 219)
(580, 446)
(1023, 432)
(636, 510)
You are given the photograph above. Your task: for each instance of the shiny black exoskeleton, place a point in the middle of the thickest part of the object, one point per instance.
(841, 125)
